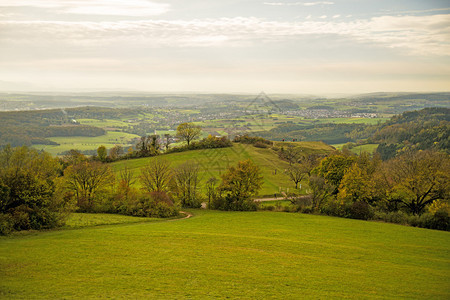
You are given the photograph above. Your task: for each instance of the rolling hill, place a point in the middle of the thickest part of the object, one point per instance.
(214, 162)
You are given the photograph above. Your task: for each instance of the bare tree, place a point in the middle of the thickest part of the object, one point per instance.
(296, 173)
(115, 152)
(127, 176)
(187, 181)
(211, 189)
(156, 175)
(321, 190)
(167, 141)
(86, 179)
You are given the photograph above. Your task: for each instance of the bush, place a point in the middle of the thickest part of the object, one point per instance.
(207, 143)
(333, 208)
(228, 202)
(260, 145)
(440, 221)
(6, 224)
(397, 217)
(361, 210)
(155, 204)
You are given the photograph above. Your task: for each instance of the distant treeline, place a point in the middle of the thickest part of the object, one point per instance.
(34, 127)
(424, 129)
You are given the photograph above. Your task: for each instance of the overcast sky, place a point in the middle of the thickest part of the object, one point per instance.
(276, 46)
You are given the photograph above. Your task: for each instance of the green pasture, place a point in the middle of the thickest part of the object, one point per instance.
(82, 143)
(83, 220)
(214, 162)
(237, 255)
(307, 147)
(369, 148)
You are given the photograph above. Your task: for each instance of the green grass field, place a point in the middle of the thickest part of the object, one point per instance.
(244, 255)
(82, 143)
(369, 148)
(214, 162)
(85, 220)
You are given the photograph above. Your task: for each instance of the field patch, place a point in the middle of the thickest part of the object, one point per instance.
(83, 143)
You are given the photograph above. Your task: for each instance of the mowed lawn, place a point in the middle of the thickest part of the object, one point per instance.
(245, 255)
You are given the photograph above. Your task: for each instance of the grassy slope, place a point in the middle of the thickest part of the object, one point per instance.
(109, 140)
(224, 254)
(214, 162)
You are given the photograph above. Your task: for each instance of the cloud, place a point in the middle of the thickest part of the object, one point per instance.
(417, 35)
(95, 7)
(299, 3)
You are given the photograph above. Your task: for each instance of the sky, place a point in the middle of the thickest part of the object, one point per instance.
(225, 46)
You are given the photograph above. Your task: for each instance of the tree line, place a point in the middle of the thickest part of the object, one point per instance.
(411, 188)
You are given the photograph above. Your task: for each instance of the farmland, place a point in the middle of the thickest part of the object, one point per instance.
(229, 255)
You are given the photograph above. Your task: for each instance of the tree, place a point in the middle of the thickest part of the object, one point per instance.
(356, 185)
(290, 154)
(419, 178)
(73, 157)
(358, 182)
(320, 191)
(187, 183)
(167, 141)
(148, 146)
(211, 189)
(86, 180)
(127, 176)
(296, 173)
(27, 189)
(333, 168)
(156, 176)
(309, 162)
(239, 183)
(188, 132)
(115, 152)
(102, 153)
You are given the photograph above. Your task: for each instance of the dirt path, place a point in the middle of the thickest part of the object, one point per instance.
(188, 215)
(268, 199)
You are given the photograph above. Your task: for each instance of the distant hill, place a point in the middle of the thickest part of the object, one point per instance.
(428, 128)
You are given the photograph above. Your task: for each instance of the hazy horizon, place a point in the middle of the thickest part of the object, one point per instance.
(230, 46)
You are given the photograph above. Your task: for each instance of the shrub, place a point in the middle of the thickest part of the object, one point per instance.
(333, 208)
(259, 144)
(397, 217)
(207, 143)
(440, 220)
(361, 210)
(6, 224)
(155, 204)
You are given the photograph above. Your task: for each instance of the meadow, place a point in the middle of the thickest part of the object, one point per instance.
(214, 162)
(82, 143)
(245, 255)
